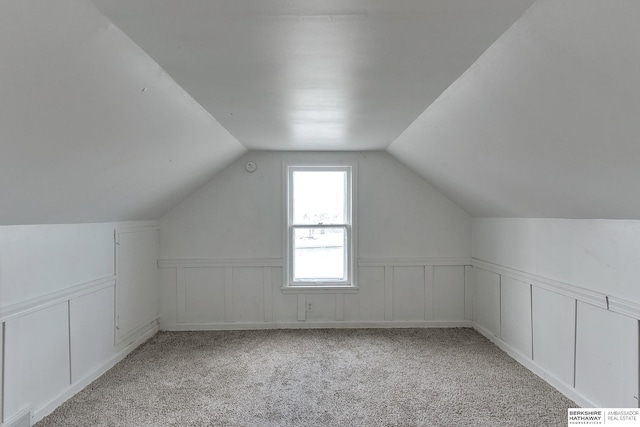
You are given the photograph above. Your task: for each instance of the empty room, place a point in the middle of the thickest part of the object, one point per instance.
(319, 213)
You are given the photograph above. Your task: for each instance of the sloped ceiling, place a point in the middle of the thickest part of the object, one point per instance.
(91, 128)
(546, 123)
(314, 75)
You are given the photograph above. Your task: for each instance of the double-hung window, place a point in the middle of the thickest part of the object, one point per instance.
(320, 241)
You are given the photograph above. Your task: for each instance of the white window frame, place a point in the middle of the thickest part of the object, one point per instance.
(349, 285)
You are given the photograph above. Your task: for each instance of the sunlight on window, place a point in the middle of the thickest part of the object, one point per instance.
(319, 223)
(319, 254)
(319, 197)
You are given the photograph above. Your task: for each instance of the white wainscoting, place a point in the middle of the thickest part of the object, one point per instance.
(576, 339)
(606, 356)
(515, 315)
(56, 344)
(36, 358)
(137, 297)
(91, 331)
(246, 293)
(2, 325)
(554, 330)
(486, 308)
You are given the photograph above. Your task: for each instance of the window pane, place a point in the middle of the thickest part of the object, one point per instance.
(319, 254)
(319, 197)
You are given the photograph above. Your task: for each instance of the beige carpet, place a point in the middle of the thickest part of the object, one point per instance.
(337, 377)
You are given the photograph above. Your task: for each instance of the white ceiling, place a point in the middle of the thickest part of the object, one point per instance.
(310, 74)
(546, 123)
(95, 126)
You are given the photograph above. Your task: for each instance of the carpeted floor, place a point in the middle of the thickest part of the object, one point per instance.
(337, 377)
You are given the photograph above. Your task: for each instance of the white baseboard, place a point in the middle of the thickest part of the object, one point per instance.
(222, 326)
(21, 419)
(74, 388)
(567, 390)
(564, 388)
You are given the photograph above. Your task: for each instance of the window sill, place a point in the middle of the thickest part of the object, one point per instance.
(311, 289)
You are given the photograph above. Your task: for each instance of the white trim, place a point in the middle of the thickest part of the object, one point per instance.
(181, 293)
(137, 228)
(311, 289)
(74, 388)
(339, 307)
(267, 294)
(627, 308)
(53, 298)
(469, 292)
(118, 338)
(388, 293)
(302, 307)
(221, 326)
(581, 294)
(322, 226)
(136, 331)
(28, 412)
(549, 378)
(351, 227)
(413, 262)
(278, 262)
(228, 294)
(212, 263)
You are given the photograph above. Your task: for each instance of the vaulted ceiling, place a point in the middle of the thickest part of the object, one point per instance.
(546, 123)
(314, 75)
(118, 109)
(91, 128)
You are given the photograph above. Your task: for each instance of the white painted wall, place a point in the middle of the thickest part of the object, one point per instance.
(222, 249)
(569, 302)
(239, 214)
(40, 259)
(599, 255)
(58, 307)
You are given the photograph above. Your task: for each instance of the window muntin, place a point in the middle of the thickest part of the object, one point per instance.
(319, 226)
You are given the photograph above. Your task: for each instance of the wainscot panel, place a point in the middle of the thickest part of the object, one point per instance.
(486, 308)
(584, 343)
(515, 315)
(606, 356)
(246, 293)
(36, 365)
(554, 333)
(92, 331)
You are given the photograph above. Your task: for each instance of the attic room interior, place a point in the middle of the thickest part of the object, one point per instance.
(351, 212)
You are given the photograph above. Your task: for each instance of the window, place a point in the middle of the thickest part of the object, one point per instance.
(320, 248)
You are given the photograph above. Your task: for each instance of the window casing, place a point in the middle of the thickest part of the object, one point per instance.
(319, 226)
